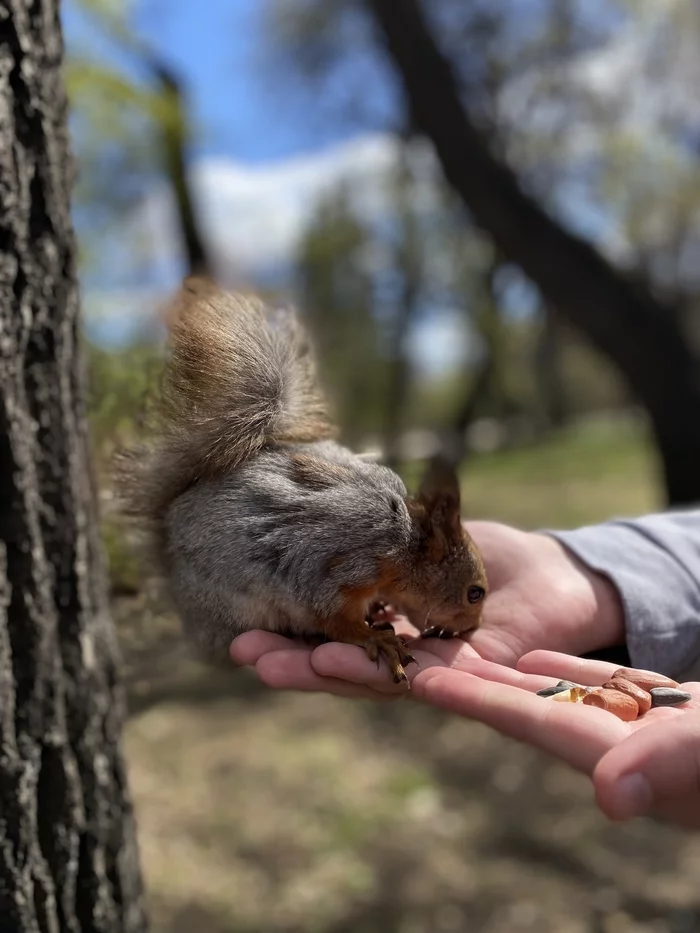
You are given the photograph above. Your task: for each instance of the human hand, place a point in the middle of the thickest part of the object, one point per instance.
(343, 670)
(540, 596)
(650, 766)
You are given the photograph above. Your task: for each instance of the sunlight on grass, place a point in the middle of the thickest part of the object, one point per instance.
(580, 476)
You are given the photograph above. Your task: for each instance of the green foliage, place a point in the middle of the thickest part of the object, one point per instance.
(337, 294)
(119, 384)
(126, 570)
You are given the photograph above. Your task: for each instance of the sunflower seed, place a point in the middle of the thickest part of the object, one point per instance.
(668, 696)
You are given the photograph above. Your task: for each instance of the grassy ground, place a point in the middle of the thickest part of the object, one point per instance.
(587, 474)
(271, 813)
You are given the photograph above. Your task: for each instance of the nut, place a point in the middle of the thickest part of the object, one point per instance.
(642, 697)
(644, 679)
(668, 696)
(620, 704)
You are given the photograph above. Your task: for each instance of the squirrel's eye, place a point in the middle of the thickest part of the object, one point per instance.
(475, 593)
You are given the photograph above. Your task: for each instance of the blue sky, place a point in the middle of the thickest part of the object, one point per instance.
(220, 48)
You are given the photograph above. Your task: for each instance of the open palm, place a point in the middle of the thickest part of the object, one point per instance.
(650, 766)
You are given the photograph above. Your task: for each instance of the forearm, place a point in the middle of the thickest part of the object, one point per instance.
(654, 563)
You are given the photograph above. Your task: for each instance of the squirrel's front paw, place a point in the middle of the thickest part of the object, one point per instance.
(390, 646)
(381, 616)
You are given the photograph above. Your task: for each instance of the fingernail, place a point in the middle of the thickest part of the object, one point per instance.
(631, 796)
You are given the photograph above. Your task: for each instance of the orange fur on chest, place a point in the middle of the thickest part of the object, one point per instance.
(356, 599)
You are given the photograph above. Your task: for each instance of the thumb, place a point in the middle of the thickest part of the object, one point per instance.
(647, 770)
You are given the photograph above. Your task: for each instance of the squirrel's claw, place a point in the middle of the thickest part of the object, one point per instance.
(387, 644)
(436, 631)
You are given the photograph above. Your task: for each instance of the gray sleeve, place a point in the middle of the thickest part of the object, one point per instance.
(655, 564)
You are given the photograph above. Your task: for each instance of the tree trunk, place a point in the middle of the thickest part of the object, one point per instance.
(399, 381)
(408, 264)
(174, 137)
(641, 335)
(68, 855)
(548, 364)
(453, 445)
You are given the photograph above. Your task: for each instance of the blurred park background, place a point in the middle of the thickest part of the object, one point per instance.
(269, 143)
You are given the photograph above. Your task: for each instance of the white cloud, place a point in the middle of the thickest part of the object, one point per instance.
(253, 216)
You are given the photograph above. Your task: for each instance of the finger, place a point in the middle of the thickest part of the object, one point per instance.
(653, 765)
(347, 662)
(693, 688)
(249, 647)
(292, 670)
(577, 734)
(502, 674)
(567, 667)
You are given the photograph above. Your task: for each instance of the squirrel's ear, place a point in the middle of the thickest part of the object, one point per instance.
(440, 495)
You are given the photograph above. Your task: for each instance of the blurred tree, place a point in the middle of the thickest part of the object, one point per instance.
(328, 43)
(661, 369)
(407, 263)
(549, 368)
(68, 854)
(516, 99)
(336, 285)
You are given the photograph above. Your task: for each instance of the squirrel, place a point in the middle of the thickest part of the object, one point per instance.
(262, 520)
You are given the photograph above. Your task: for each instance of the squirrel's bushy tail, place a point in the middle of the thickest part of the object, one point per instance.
(236, 380)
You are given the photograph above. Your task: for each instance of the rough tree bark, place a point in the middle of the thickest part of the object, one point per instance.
(642, 336)
(68, 855)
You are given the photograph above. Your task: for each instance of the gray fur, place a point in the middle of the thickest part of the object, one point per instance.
(251, 549)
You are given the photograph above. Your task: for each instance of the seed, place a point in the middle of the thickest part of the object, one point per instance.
(561, 687)
(642, 697)
(644, 679)
(573, 695)
(668, 696)
(620, 704)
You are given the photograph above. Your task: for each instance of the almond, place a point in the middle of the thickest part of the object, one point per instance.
(619, 704)
(644, 679)
(642, 697)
